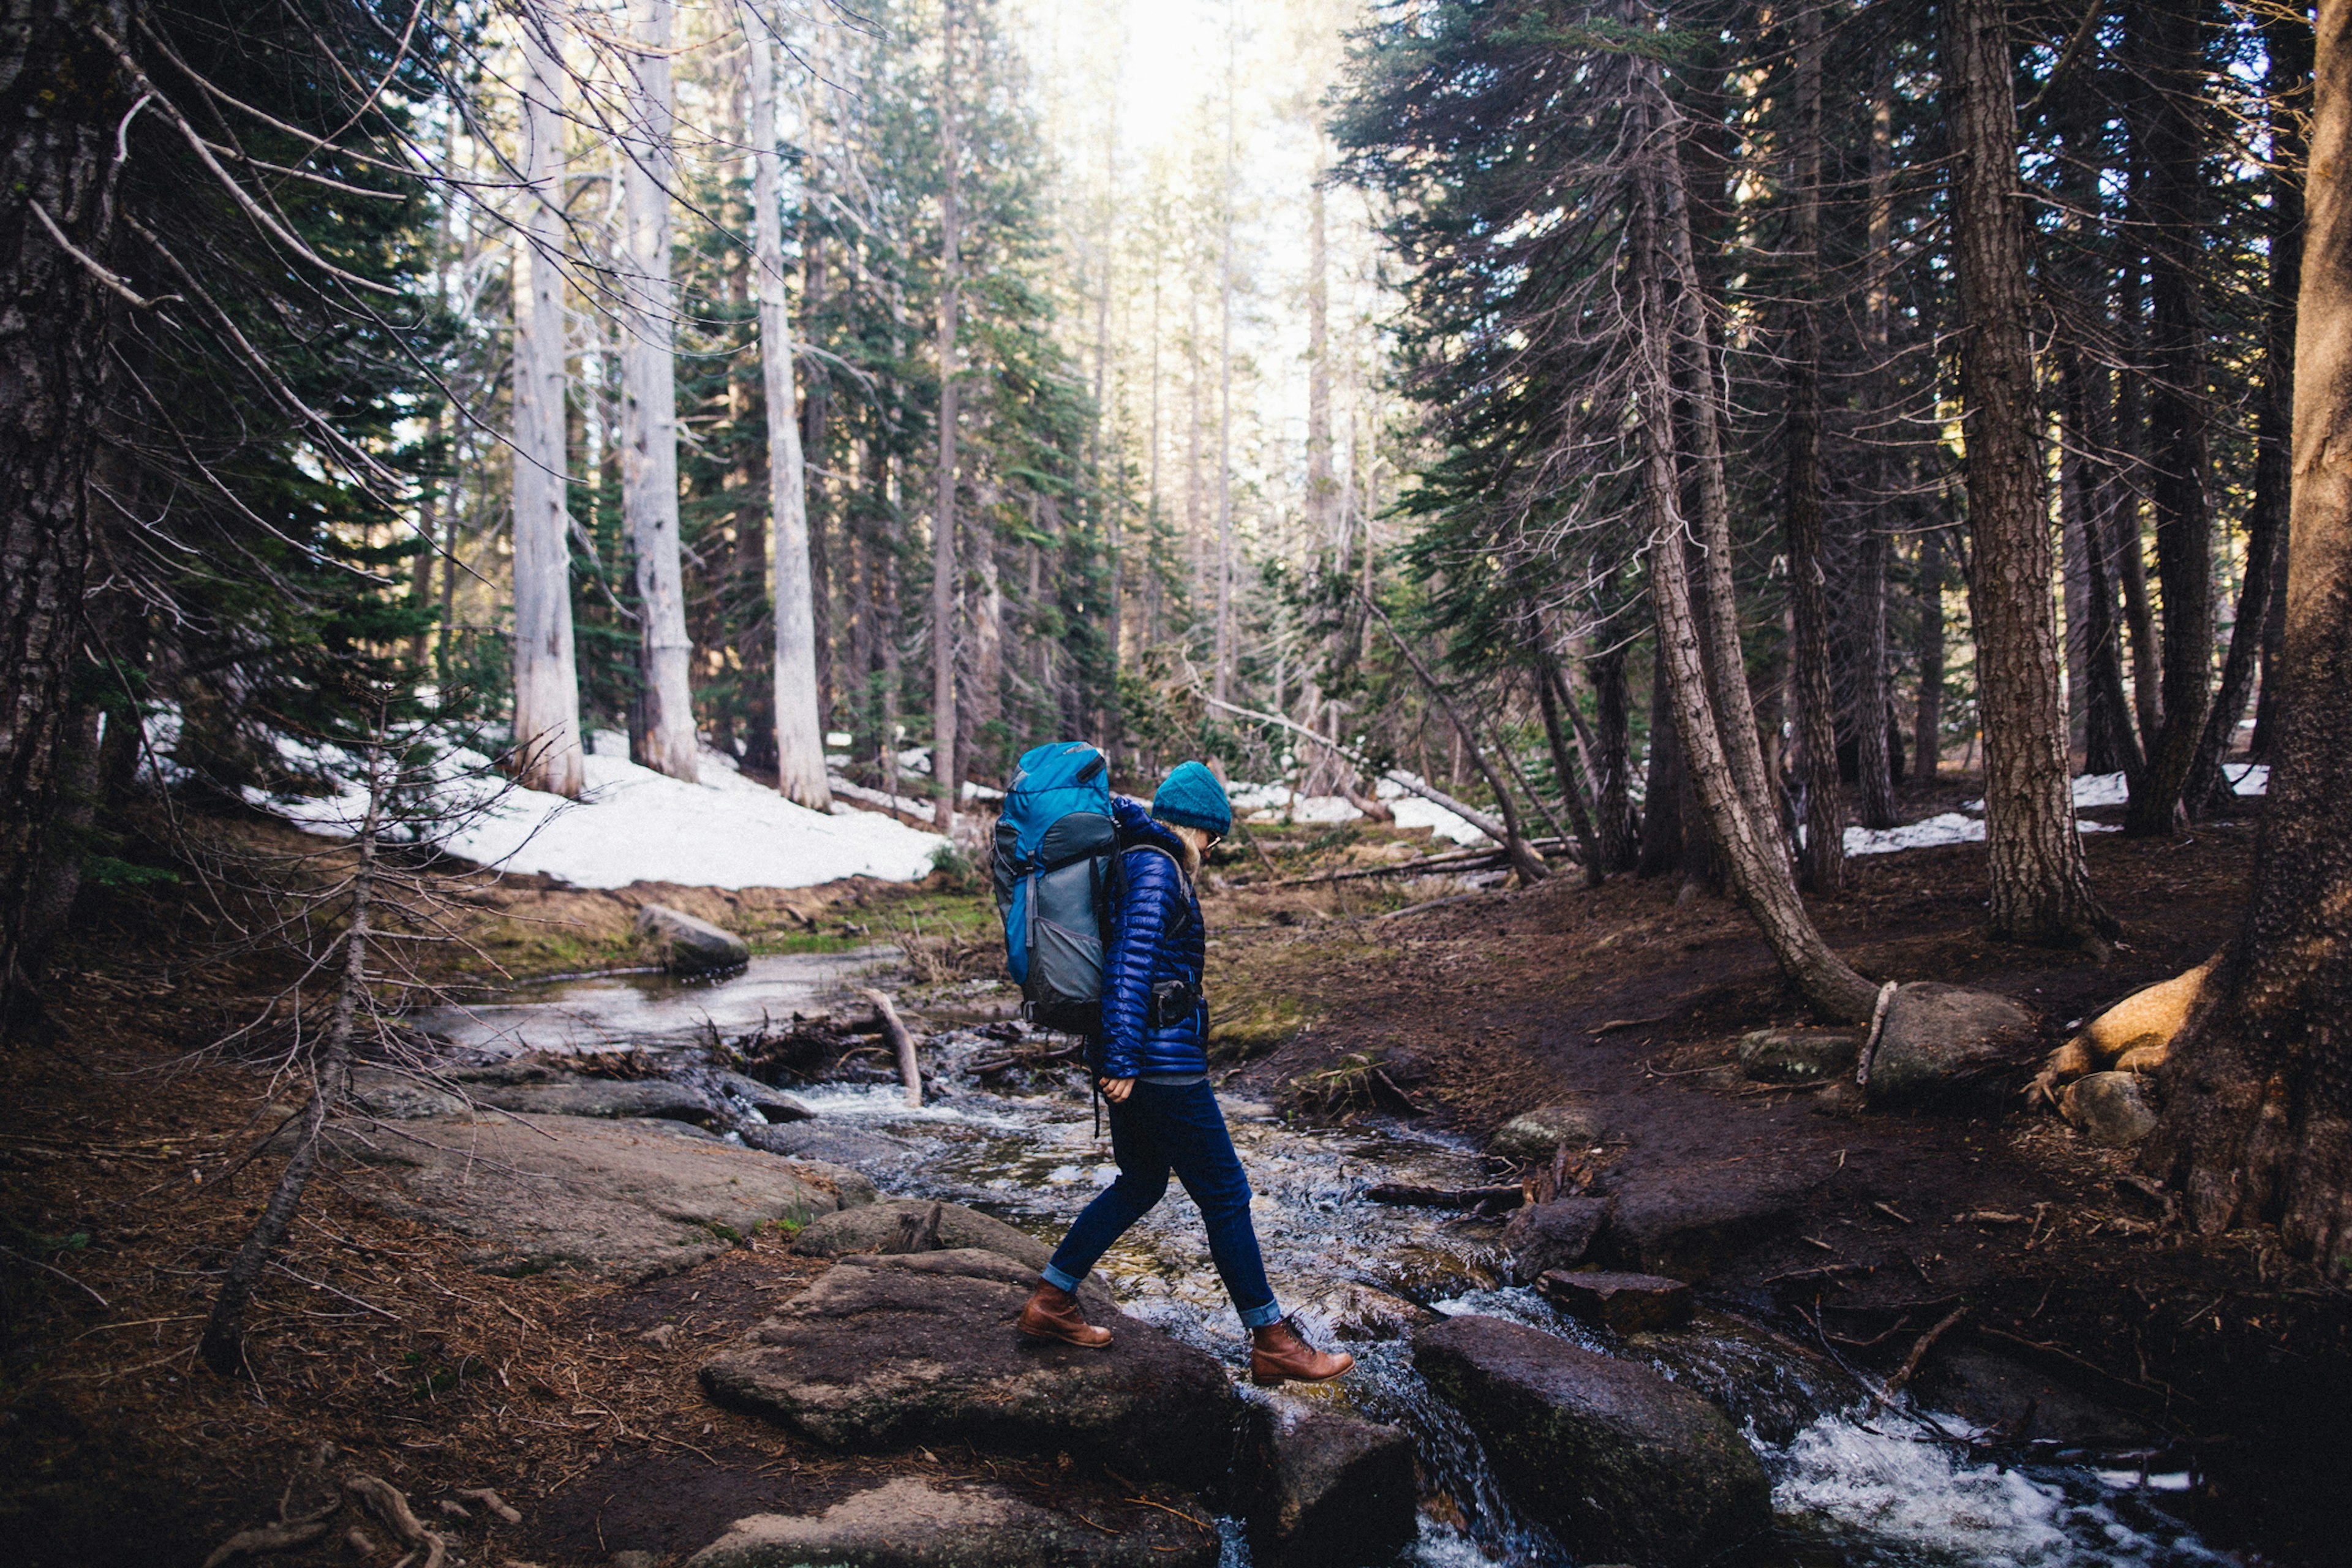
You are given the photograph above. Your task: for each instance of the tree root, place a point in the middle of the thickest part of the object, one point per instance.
(279, 1537)
(388, 1503)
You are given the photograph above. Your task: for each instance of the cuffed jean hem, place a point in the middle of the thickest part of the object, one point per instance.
(1260, 1317)
(1059, 1280)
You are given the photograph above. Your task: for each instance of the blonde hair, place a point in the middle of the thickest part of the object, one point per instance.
(1187, 852)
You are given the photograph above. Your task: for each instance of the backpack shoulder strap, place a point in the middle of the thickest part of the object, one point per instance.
(1181, 879)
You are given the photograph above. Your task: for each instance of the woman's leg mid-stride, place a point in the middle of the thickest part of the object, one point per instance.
(1142, 1181)
(1194, 1136)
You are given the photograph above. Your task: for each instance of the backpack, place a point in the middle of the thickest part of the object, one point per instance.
(1057, 856)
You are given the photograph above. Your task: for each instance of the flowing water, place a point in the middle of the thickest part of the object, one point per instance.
(1850, 1485)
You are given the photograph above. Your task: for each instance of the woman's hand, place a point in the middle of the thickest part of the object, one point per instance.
(1116, 1089)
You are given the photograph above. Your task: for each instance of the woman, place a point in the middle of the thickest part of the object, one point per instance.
(1153, 1063)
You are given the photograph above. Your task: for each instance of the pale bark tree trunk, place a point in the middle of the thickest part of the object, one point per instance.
(1822, 856)
(1551, 692)
(2171, 138)
(1755, 862)
(546, 679)
(943, 511)
(1222, 679)
(2041, 884)
(2207, 793)
(1322, 492)
(800, 729)
(666, 738)
(1878, 310)
(1612, 760)
(2258, 1121)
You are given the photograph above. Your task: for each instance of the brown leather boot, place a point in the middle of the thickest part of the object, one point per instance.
(1051, 1313)
(1278, 1353)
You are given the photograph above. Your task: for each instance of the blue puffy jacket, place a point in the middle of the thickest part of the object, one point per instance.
(1155, 937)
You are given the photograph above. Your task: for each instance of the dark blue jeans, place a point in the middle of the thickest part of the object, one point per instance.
(1163, 1127)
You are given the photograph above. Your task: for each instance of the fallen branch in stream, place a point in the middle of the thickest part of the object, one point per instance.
(910, 1072)
(1421, 866)
(1926, 1342)
(1407, 1194)
(1029, 1059)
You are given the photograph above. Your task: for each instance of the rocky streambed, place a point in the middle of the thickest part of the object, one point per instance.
(1579, 1418)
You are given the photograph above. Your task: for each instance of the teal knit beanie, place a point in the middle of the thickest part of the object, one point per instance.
(1192, 796)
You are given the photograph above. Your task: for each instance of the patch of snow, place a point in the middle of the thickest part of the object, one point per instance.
(2248, 778)
(2101, 789)
(1951, 827)
(1274, 802)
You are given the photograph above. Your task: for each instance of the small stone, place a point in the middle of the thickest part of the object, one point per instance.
(1621, 1303)
(1544, 1236)
(1537, 1134)
(692, 946)
(454, 1509)
(1798, 1056)
(659, 1336)
(2110, 1108)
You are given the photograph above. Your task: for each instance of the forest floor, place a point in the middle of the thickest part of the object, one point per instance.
(118, 1189)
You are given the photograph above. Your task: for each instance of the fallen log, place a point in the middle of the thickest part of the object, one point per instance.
(1450, 860)
(1407, 1194)
(910, 1072)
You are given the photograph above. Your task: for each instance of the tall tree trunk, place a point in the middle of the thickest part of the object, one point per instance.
(666, 738)
(1927, 653)
(1221, 679)
(546, 752)
(2257, 1126)
(1822, 856)
(1660, 847)
(1619, 827)
(2172, 136)
(1550, 696)
(2126, 543)
(2208, 791)
(2041, 884)
(1322, 490)
(800, 729)
(1754, 861)
(943, 511)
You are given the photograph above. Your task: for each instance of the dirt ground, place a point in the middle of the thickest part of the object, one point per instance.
(120, 1191)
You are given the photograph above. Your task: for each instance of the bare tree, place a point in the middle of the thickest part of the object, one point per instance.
(665, 734)
(943, 514)
(800, 732)
(546, 682)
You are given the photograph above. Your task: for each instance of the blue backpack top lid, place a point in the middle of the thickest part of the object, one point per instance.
(1051, 783)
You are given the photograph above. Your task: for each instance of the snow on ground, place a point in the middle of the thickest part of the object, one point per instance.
(1275, 803)
(1967, 825)
(633, 825)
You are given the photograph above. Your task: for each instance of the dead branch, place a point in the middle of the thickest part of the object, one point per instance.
(909, 1071)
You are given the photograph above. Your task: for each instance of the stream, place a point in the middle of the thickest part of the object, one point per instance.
(1851, 1484)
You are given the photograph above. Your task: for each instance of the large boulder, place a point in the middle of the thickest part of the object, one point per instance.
(1941, 1041)
(617, 1200)
(1689, 1221)
(1623, 1465)
(1541, 1238)
(1621, 1303)
(689, 946)
(1537, 1134)
(1331, 1490)
(875, 1228)
(835, 1144)
(770, 1101)
(1799, 1056)
(2110, 1108)
(888, 1350)
(913, 1523)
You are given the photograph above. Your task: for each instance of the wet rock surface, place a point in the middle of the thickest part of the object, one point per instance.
(566, 1094)
(2112, 1109)
(1333, 1491)
(1541, 1238)
(1621, 1303)
(1947, 1041)
(1537, 1134)
(1799, 1056)
(615, 1200)
(1621, 1464)
(820, 1140)
(770, 1101)
(889, 1350)
(692, 946)
(1687, 1223)
(878, 1228)
(913, 1523)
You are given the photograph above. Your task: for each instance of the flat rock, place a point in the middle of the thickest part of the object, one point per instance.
(885, 1351)
(2110, 1108)
(625, 1201)
(1537, 1134)
(875, 1228)
(821, 1140)
(770, 1101)
(392, 1096)
(1942, 1041)
(1333, 1491)
(1544, 1236)
(913, 1523)
(1687, 1222)
(1624, 1465)
(1621, 1303)
(1799, 1056)
(567, 1094)
(692, 946)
